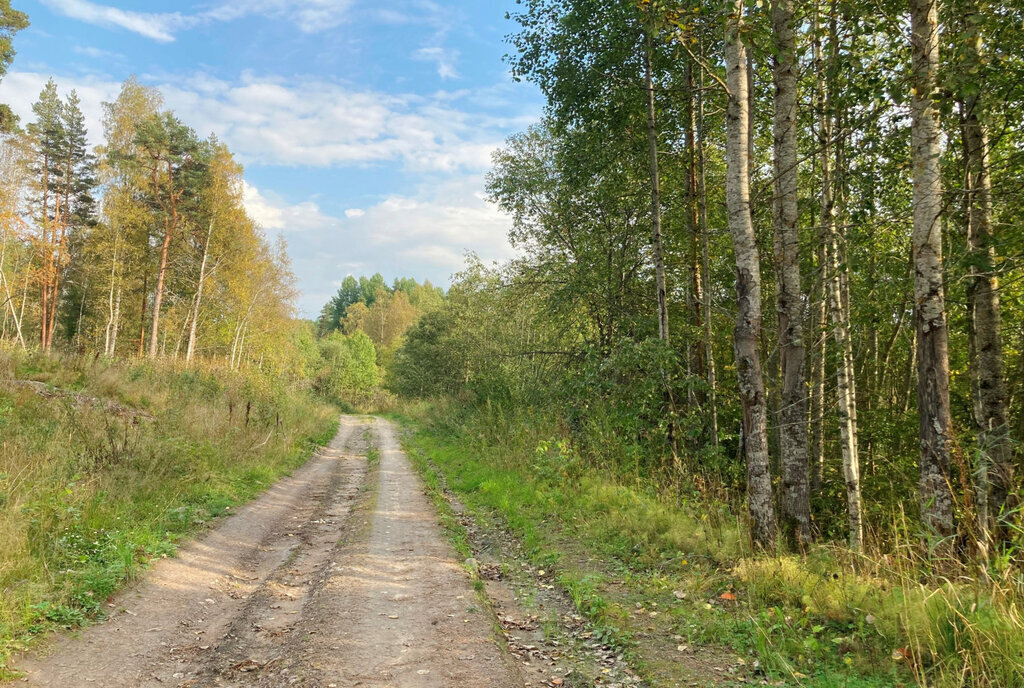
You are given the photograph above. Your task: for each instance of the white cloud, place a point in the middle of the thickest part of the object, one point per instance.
(423, 235)
(354, 212)
(437, 225)
(271, 212)
(303, 122)
(158, 26)
(444, 58)
(310, 16)
(313, 122)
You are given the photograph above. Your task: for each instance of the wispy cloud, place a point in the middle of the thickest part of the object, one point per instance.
(310, 16)
(444, 58)
(97, 53)
(158, 26)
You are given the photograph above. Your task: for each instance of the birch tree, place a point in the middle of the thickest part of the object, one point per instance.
(748, 285)
(932, 338)
(994, 470)
(796, 508)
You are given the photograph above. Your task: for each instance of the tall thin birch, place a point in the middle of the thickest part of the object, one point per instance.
(748, 286)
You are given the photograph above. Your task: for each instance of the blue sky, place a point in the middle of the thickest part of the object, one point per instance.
(365, 126)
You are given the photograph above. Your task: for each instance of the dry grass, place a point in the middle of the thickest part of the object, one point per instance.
(87, 497)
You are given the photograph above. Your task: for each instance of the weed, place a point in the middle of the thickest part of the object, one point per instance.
(88, 497)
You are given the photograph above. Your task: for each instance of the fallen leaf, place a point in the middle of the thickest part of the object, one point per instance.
(727, 596)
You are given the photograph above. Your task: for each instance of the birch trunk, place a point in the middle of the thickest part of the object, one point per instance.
(652, 149)
(748, 287)
(108, 330)
(994, 473)
(9, 296)
(796, 508)
(696, 355)
(932, 338)
(839, 309)
(818, 354)
(159, 294)
(702, 195)
(117, 322)
(142, 314)
(191, 349)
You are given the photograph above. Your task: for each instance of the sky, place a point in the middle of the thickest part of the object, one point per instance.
(365, 126)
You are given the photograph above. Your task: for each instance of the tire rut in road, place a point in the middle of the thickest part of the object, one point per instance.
(299, 588)
(264, 641)
(400, 611)
(168, 630)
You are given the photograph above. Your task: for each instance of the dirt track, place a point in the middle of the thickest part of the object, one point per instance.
(316, 583)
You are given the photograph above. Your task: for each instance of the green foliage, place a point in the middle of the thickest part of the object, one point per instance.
(430, 362)
(373, 295)
(349, 370)
(11, 22)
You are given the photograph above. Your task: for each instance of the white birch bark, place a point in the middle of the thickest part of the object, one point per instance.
(191, 349)
(652, 150)
(796, 508)
(748, 286)
(932, 337)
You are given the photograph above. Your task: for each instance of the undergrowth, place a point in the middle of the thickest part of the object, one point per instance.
(828, 617)
(89, 494)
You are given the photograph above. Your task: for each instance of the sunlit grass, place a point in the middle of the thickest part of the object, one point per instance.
(88, 496)
(829, 617)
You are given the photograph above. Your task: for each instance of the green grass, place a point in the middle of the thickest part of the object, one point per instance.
(826, 619)
(87, 497)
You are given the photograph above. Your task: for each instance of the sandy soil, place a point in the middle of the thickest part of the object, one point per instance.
(319, 582)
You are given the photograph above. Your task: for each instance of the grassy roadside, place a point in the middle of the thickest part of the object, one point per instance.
(668, 578)
(89, 494)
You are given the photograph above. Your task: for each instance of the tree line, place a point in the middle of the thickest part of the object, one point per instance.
(768, 248)
(139, 246)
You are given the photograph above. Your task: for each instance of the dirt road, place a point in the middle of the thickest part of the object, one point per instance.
(319, 582)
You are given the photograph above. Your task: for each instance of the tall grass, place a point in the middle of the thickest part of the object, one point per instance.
(89, 492)
(894, 615)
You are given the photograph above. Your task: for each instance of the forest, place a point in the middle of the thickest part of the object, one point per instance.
(764, 251)
(763, 333)
(770, 258)
(138, 246)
